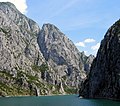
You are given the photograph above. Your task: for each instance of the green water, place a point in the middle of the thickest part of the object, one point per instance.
(67, 100)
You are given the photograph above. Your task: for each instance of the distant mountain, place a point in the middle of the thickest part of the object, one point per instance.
(34, 61)
(104, 78)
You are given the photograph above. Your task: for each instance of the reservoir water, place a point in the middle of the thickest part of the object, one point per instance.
(66, 100)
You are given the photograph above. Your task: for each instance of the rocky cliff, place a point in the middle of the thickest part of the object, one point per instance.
(104, 78)
(19, 52)
(34, 61)
(62, 55)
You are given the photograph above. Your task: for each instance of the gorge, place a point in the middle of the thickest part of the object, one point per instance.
(44, 61)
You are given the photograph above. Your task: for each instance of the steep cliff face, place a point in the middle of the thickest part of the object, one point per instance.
(54, 66)
(62, 55)
(18, 39)
(21, 62)
(104, 77)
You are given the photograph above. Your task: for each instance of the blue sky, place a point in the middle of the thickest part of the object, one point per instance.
(85, 22)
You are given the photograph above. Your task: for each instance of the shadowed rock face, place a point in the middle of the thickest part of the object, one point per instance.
(104, 78)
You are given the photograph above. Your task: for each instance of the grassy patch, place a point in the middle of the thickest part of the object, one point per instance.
(13, 90)
(69, 90)
(42, 68)
(31, 79)
(6, 74)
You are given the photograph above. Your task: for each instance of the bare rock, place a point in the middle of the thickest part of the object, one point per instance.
(104, 78)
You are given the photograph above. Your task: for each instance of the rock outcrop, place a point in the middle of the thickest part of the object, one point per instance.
(104, 78)
(62, 55)
(19, 51)
(34, 61)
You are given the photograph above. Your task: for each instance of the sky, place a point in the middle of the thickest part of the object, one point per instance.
(85, 22)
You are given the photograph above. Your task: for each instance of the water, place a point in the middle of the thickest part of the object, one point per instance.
(67, 100)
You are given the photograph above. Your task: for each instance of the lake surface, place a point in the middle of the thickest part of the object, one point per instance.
(67, 100)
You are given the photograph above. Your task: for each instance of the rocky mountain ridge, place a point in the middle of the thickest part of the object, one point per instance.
(104, 78)
(19, 51)
(69, 64)
(34, 61)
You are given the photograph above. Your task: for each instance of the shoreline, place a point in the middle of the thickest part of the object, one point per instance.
(113, 99)
(37, 96)
(61, 95)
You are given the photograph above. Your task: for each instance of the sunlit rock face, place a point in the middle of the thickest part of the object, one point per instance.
(59, 51)
(19, 51)
(34, 61)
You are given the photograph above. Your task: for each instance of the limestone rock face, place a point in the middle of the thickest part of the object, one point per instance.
(18, 40)
(19, 51)
(104, 78)
(34, 61)
(63, 56)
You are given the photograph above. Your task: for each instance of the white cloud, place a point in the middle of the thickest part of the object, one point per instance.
(20, 5)
(86, 48)
(89, 40)
(80, 44)
(95, 47)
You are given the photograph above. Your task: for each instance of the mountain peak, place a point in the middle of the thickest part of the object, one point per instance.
(6, 5)
(56, 63)
(62, 55)
(50, 27)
